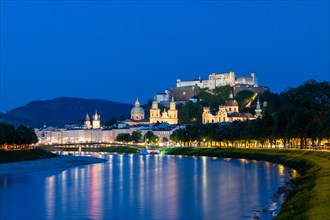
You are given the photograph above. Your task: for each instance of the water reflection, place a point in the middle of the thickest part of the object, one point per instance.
(50, 197)
(146, 187)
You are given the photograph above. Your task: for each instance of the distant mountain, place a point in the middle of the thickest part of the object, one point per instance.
(64, 110)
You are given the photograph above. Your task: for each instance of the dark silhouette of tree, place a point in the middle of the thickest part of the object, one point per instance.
(111, 122)
(150, 137)
(22, 136)
(124, 137)
(136, 136)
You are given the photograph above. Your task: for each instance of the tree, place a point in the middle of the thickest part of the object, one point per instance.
(243, 98)
(136, 136)
(150, 137)
(111, 122)
(7, 134)
(21, 136)
(124, 137)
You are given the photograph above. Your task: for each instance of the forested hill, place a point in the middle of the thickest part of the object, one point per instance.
(64, 110)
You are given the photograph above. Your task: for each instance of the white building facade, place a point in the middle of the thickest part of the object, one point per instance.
(220, 79)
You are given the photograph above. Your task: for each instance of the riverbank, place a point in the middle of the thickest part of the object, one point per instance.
(58, 162)
(309, 199)
(24, 155)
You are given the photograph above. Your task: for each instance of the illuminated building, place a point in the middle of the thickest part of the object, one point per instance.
(220, 79)
(227, 113)
(96, 121)
(169, 116)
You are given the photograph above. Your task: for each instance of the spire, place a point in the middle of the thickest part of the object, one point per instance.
(96, 116)
(230, 94)
(172, 104)
(87, 117)
(155, 100)
(137, 103)
(258, 110)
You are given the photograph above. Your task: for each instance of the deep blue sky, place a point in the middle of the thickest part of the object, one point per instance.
(120, 50)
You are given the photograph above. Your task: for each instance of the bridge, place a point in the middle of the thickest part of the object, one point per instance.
(91, 146)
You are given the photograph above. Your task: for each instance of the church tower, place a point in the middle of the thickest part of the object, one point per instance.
(96, 121)
(258, 110)
(173, 113)
(222, 114)
(154, 112)
(231, 104)
(88, 122)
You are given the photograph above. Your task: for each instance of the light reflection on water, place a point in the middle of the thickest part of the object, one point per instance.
(145, 187)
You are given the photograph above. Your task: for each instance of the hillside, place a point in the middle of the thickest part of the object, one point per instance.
(64, 110)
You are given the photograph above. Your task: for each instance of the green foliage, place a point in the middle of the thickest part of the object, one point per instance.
(215, 97)
(150, 137)
(309, 199)
(123, 137)
(21, 136)
(22, 155)
(243, 98)
(111, 122)
(136, 136)
(299, 113)
(190, 113)
(126, 137)
(147, 108)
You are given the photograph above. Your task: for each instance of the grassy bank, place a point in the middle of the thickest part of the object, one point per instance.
(23, 155)
(119, 149)
(310, 199)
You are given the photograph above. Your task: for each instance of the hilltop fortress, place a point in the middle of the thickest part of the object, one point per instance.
(220, 79)
(185, 91)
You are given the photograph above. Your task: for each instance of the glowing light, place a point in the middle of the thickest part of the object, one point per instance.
(243, 161)
(294, 174)
(281, 169)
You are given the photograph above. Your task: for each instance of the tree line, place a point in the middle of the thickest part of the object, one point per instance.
(20, 137)
(136, 137)
(296, 117)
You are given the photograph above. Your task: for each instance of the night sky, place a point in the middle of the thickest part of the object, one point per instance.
(120, 50)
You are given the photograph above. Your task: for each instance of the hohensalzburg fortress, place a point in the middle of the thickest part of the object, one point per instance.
(220, 79)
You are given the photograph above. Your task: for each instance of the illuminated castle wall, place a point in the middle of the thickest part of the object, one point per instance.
(220, 79)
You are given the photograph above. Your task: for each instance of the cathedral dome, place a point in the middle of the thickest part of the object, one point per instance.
(137, 112)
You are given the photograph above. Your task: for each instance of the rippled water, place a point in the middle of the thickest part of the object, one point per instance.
(145, 187)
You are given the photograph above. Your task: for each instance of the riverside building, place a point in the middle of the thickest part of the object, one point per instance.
(228, 112)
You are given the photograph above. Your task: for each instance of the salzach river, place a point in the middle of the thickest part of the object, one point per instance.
(146, 187)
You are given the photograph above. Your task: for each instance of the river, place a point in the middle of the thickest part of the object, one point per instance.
(146, 187)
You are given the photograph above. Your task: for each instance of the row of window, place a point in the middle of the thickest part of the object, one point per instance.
(214, 121)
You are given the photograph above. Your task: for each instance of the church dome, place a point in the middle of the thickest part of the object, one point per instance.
(137, 112)
(231, 103)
